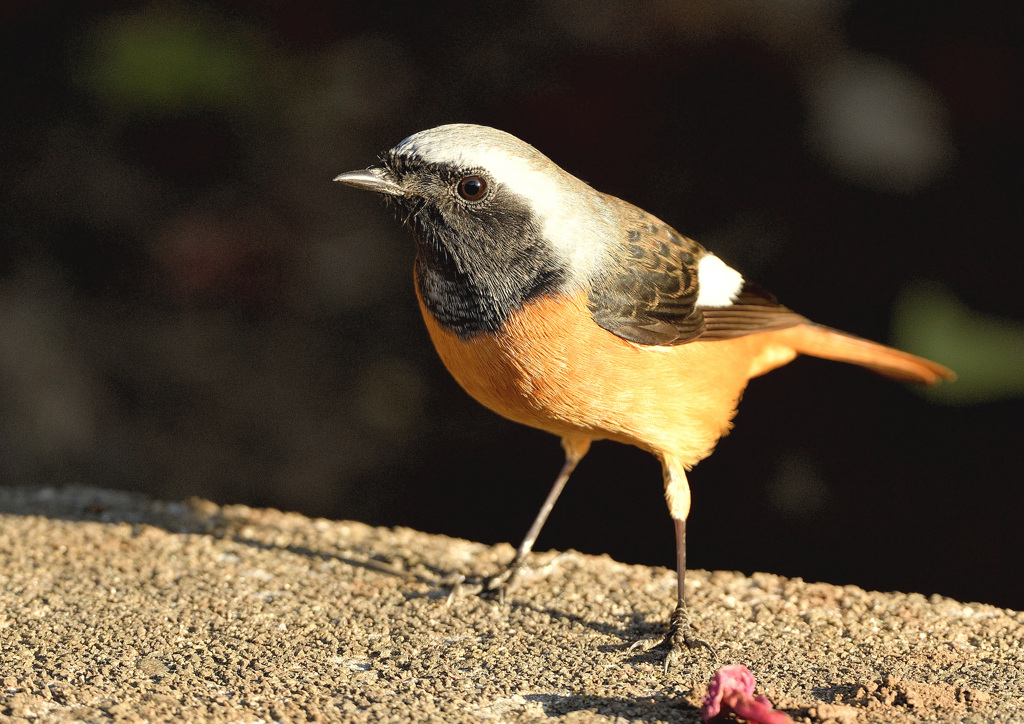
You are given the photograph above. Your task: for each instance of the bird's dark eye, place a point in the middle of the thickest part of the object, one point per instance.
(472, 188)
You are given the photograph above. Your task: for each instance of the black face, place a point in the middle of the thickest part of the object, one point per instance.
(480, 253)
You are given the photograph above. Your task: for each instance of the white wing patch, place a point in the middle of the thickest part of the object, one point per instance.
(718, 283)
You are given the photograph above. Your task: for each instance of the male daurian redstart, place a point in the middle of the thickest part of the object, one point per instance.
(575, 312)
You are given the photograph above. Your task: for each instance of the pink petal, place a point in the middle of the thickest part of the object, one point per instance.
(732, 690)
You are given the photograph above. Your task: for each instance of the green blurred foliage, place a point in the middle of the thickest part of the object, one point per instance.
(159, 61)
(987, 352)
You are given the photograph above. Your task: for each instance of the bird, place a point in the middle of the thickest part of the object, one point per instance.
(578, 313)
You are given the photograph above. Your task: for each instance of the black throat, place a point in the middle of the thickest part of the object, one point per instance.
(477, 265)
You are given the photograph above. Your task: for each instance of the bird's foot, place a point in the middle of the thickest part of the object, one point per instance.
(491, 587)
(681, 634)
(495, 586)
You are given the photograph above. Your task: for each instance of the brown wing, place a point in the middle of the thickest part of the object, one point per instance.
(755, 310)
(650, 297)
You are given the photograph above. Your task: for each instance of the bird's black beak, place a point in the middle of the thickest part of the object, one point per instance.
(372, 179)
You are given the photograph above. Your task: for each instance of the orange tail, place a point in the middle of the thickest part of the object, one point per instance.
(818, 341)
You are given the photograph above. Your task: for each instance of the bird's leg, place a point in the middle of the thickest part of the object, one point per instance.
(680, 631)
(575, 449)
(574, 452)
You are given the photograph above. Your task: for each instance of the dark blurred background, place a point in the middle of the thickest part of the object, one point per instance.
(189, 306)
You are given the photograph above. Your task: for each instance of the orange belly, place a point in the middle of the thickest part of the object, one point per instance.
(553, 368)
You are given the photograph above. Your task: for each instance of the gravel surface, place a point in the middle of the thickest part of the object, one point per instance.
(113, 607)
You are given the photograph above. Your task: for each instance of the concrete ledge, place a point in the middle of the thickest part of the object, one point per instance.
(117, 608)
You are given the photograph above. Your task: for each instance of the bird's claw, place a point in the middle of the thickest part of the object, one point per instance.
(494, 586)
(680, 635)
(460, 586)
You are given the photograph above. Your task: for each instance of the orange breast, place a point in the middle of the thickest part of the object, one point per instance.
(553, 368)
